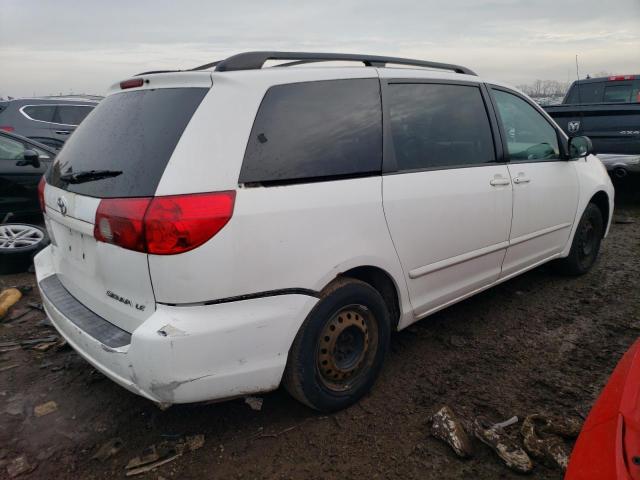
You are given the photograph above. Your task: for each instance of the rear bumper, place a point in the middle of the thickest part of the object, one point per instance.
(188, 354)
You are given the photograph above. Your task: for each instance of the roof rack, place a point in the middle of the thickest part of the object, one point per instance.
(255, 61)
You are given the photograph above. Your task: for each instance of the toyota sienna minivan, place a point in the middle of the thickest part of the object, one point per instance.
(221, 231)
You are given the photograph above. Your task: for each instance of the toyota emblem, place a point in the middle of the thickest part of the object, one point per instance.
(62, 204)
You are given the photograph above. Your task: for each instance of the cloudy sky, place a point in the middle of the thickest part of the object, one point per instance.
(63, 46)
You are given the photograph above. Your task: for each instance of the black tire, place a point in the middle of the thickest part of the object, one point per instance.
(352, 321)
(16, 256)
(585, 245)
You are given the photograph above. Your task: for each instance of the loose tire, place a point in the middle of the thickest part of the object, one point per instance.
(586, 243)
(19, 242)
(339, 350)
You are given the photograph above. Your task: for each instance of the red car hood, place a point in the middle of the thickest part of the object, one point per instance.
(610, 437)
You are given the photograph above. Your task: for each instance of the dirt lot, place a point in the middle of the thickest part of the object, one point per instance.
(539, 343)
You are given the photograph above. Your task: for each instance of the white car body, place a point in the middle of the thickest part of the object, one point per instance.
(217, 321)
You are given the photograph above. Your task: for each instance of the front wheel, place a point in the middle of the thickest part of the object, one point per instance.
(586, 243)
(339, 350)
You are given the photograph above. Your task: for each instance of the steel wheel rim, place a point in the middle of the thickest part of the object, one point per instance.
(13, 236)
(346, 347)
(588, 240)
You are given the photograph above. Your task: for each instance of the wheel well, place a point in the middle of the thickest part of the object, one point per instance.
(384, 284)
(601, 200)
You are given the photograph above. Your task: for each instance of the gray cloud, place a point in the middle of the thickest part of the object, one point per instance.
(83, 46)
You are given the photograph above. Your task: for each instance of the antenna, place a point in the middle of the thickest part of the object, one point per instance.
(578, 80)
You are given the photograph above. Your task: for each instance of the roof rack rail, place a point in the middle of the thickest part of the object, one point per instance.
(255, 61)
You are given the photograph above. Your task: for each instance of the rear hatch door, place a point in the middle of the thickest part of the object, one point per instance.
(131, 135)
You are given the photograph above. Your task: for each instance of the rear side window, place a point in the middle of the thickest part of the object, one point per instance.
(71, 114)
(134, 133)
(439, 126)
(315, 130)
(618, 93)
(590, 92)
(44, 113)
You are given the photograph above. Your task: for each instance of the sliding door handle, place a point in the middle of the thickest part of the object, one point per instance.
(519, 180)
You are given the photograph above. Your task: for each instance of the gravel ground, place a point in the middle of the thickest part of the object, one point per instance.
(538, 343)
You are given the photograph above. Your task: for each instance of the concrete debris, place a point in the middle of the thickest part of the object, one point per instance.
(45, 408)
(18, 466)
(108, 449)
(446, 427)
(162, 453)
(543, 438)
(502, 444)
(254, 402)
(8, 298)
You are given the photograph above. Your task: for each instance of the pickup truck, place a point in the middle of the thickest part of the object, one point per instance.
(607, 110)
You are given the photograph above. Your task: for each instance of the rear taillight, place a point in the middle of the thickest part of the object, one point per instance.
(41, 186)
(7, 128)
(120, 221)
(163, 225)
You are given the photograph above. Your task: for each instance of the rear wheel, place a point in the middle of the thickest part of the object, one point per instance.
(339, 350)
(586, 243)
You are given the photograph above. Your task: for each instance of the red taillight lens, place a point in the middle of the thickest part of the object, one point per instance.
(180, 223)
(7, 128)
(121, 221)
(163, 225)
(41, 186)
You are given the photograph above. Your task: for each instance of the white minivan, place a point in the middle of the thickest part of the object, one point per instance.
(220, 231)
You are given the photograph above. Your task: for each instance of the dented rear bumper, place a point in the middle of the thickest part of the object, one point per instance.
(184, 354)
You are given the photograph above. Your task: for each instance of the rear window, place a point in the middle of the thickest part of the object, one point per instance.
(131, 132)
(314, 130)
(590, 92)
(618, 93)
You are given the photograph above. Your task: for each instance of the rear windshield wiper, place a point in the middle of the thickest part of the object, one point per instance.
(89, 175)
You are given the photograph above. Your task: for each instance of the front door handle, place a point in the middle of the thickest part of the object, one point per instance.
(495, 182)
(63, 132)
(520, 180)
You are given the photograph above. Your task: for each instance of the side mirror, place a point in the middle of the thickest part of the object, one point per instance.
(30, 157)
(580, 147)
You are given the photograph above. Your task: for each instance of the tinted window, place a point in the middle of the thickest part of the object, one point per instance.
(315, 129)
(436, 126)
(529, 135)
(132, 132)
(617, 93)
(590, 92)
(71, 114)
(43, 113)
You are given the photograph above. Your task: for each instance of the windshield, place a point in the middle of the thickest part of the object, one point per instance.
(132, 133)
